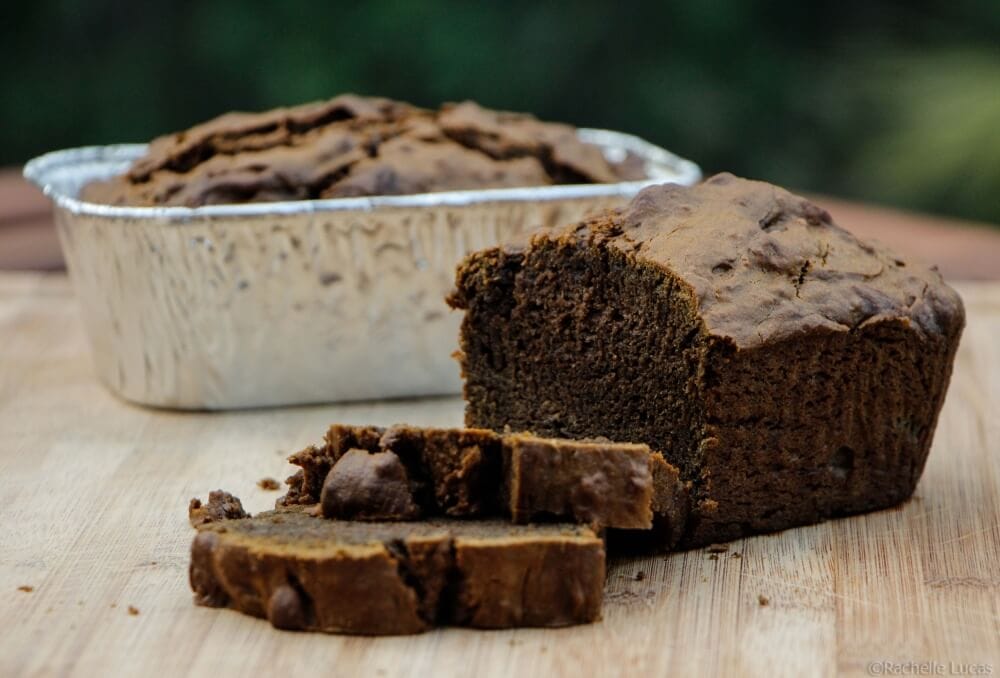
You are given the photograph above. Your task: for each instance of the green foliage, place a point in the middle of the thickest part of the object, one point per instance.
(890, 101)
(945, 144)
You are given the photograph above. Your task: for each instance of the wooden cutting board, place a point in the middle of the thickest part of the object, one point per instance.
(93, 518)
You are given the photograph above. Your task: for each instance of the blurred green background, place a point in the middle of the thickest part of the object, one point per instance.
(892, 102)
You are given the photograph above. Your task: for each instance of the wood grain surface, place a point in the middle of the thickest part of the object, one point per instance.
(93, 517)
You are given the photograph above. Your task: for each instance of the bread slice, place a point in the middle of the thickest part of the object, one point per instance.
(303, 572)
(404, 472)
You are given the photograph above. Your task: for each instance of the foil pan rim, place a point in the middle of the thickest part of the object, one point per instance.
(662, 166)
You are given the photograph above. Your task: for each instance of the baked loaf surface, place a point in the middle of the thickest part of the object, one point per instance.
(405, 472)
(356, 146)
(302, 572)
(792, 372)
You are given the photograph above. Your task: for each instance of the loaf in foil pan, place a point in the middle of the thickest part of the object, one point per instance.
(229, 306)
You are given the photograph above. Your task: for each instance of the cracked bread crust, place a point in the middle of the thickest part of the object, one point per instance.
(792, 372)
(302, 572)
(763, 264)
(354, 146)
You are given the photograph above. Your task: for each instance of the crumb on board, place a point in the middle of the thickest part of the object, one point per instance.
(735, 554)
(640, 575)
(268, 484)
(26, 588)
(717, 548)
(763, 600)
(114, 605)
(133, 610)
(713, 556)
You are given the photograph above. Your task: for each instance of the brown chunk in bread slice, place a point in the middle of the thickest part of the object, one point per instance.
(315, 461)
(302, 572)
(368, 486)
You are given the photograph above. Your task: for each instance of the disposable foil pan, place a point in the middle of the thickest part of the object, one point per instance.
(229, 306)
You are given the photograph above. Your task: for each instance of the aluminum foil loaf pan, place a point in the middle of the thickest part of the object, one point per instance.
(229, 306)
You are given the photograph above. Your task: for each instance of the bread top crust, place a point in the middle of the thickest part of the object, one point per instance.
(763, 264)
(353, 146)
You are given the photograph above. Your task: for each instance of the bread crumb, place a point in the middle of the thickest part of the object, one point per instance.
(718, 548)
(708, 505)
(133, 610)
(268, 484)
(220, 506)
(735, 554)
(763, 600)
(640, 575)
(26, 588)
(713, 556)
